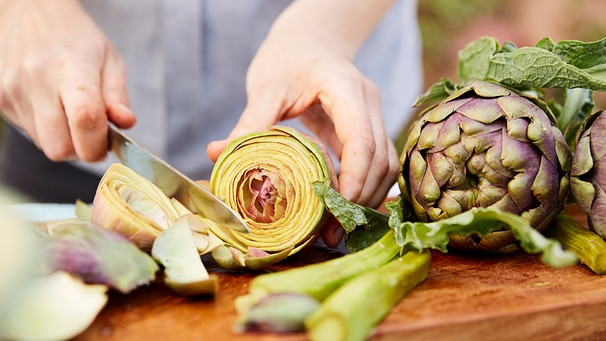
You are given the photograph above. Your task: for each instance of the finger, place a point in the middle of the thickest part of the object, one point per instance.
(332, 232)
(318, 122)
(114, 91)
(259, 114)
(15, 105)
(380, 172)
(389, 177)
(354, 129)
(82, 100)
(51, 126)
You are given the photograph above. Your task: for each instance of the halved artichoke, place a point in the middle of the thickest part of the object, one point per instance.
(267, 178)
(129, 204)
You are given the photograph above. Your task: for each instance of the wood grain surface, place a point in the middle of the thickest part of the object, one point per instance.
(465, 297)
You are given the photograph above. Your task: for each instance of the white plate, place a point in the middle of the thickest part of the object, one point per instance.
(38, 212)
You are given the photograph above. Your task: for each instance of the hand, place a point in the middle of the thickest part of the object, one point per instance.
(60, 78)
(299, 71)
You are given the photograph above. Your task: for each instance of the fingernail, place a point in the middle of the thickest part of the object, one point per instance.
(124, 108)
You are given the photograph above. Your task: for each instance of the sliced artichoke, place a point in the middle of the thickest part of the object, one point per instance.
(486, 146)
(267, 178)
(131, 205)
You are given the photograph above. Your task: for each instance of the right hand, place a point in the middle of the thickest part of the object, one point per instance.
(60, 78)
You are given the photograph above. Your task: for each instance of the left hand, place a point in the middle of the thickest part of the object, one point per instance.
(299, 71)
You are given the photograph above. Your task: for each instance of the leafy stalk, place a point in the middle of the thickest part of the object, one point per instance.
(419, 236)
(481, 221)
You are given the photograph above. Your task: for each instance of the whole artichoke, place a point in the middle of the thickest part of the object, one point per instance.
(588, 173)
(485, 146)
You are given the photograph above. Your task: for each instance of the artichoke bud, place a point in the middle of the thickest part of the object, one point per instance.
(486, 146)
(588, 173)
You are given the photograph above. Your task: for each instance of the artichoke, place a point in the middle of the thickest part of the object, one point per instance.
(129, 204)
(588, 173)
(267, 178)
(486, 146)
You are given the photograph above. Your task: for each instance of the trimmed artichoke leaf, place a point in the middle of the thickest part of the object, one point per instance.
(363, 225)
(480, 221)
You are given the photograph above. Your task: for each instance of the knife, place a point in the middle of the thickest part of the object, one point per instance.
(172, 182)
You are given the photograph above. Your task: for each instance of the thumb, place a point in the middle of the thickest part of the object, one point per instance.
(257, 116)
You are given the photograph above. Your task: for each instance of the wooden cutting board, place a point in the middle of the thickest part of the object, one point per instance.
(465, 297)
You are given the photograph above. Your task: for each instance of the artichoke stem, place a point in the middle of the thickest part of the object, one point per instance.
(319, 280)
(589, 247)
(353, 310)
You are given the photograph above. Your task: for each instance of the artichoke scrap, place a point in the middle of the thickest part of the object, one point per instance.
(588, 173)
(486, 146)
(267, 178)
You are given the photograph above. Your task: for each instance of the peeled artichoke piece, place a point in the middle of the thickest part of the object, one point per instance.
(184, 271)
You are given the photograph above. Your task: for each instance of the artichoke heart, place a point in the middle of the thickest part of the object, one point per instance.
(267, 178)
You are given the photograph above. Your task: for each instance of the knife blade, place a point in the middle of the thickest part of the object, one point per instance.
(171, 181)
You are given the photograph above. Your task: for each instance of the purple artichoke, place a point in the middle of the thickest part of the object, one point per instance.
(486, 146)
(588, 173)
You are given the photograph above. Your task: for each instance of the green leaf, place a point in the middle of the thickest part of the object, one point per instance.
(437, 92)
(578, 104)
(350, 215)
(480, 221)
(567, 64)
(363, 225)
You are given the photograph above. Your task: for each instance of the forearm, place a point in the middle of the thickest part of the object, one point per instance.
(338, 26)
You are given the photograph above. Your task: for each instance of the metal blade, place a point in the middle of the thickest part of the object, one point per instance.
(172, 182)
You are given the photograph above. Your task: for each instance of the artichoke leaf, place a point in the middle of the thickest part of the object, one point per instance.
(57, 306)
(97, 256)
(481, 221)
